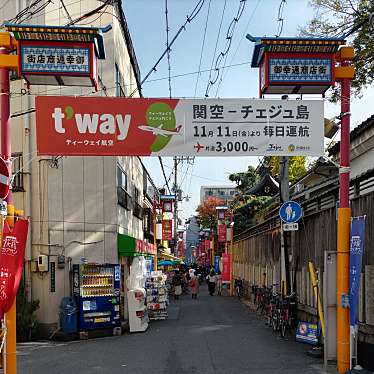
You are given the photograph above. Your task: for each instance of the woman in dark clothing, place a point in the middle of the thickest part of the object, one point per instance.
(211, 282)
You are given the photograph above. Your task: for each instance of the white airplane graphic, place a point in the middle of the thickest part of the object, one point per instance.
(160, 131)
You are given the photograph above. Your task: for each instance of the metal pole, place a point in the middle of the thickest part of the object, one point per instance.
(10, 355)
(176, 206)
(284, 166)
(344, 220)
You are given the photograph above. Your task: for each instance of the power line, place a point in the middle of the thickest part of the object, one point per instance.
(189, 19)
(66, 11)
(163, 172)
(202, 47)
(223, 54)
(167, 45)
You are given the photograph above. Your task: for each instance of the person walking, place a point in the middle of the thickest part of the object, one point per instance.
(211, 282)
(194, 284)
(177, 283)
(219, 283)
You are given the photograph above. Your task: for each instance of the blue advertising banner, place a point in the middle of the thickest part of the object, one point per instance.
(307, 333)
(356, 251)
(216, 263)
(149, 264)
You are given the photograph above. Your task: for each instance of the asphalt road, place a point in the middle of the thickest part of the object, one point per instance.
(211, 335)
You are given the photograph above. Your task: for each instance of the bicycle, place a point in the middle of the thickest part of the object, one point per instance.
(287, 314)
(239, 288)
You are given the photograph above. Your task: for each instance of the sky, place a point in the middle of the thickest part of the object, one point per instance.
(147, 24)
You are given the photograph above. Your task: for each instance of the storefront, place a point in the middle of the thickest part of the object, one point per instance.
(128, 248)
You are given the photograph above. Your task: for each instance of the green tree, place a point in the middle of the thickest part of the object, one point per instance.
(297, 166)
(334, 18)
(245, 180)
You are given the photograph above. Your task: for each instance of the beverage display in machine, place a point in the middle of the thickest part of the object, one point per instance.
(97, 288)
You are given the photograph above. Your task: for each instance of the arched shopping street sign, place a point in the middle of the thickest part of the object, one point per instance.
(167, 127)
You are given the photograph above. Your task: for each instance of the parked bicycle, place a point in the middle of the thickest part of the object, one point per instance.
(239, 288)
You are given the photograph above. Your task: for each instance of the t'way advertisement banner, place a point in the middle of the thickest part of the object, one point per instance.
(107, 126)
(11, 263)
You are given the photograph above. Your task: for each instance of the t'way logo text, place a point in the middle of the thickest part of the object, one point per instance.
(92, 123)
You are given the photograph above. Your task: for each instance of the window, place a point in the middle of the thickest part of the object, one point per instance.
(120, 91)
(138, 209)
(17, 167)
(221, 193)
(232, 193)
(123, 197)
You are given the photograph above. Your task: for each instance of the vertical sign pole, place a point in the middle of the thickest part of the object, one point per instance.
(10, 357)
(344, 218)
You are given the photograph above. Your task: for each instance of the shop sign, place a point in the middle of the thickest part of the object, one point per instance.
(139, 246)
(222, 231)
(307, 333)
(226, 267)
(103, 126)
(312, 70)
(11, 263)
(167, 229)
(167, 206)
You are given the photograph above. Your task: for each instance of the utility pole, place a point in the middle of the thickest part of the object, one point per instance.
(176, 206)
(284, 168)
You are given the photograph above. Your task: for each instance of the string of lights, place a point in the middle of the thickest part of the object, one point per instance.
(202, 48)
(167, 44)
(222, 56)
(189, 19)
(280, 18)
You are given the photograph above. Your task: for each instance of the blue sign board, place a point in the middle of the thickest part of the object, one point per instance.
(307, 333)
(356, 251)
(300, 70)
(290, 212)
(216, 263)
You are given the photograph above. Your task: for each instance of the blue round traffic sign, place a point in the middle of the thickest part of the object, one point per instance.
(290, 212)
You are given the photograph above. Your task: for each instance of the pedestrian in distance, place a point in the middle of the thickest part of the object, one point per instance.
(177, 283)
(219, 283)
(211, 278)
(194, 284)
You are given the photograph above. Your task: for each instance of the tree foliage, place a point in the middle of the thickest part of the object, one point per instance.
(207, 214)
(297, 166)
(245, 180)
(334, 18)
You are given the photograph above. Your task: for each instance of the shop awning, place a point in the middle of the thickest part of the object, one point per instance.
(129, 247)
(167, 256)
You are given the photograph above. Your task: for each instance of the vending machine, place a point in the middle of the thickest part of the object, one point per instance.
(97, 289)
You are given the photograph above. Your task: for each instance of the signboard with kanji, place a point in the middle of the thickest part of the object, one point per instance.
(167, 229)
(167, 127)
(222, 230)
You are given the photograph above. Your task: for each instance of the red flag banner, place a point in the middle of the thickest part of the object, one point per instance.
(225, 267)
(222, 231)
(11, 262)
(167, 229)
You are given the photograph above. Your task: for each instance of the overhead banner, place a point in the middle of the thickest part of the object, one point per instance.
(104, 126)
(356, 252)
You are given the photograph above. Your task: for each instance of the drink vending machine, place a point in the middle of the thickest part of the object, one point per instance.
(97, 289)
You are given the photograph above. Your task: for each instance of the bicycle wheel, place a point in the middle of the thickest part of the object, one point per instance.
(275, 322)
(283, 328)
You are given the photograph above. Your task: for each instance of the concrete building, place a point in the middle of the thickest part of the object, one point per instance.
(78, 206)
(225, 193)
(192, 238)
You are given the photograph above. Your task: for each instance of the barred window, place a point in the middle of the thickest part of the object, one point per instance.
(17, 169)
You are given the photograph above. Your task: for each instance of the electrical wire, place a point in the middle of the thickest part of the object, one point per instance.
(189, 19)
(66, 11)
(90, 13)
(202, 48)
(167, 44)
(222, 56)
(163, 172)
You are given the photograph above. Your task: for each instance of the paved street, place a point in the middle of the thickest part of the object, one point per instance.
(213, 335)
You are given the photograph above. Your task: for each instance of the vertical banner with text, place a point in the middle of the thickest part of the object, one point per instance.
(222, 231)
(167, 229)
(357, 242)
(226, 267)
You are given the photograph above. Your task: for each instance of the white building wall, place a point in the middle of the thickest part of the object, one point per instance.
(73, 205)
